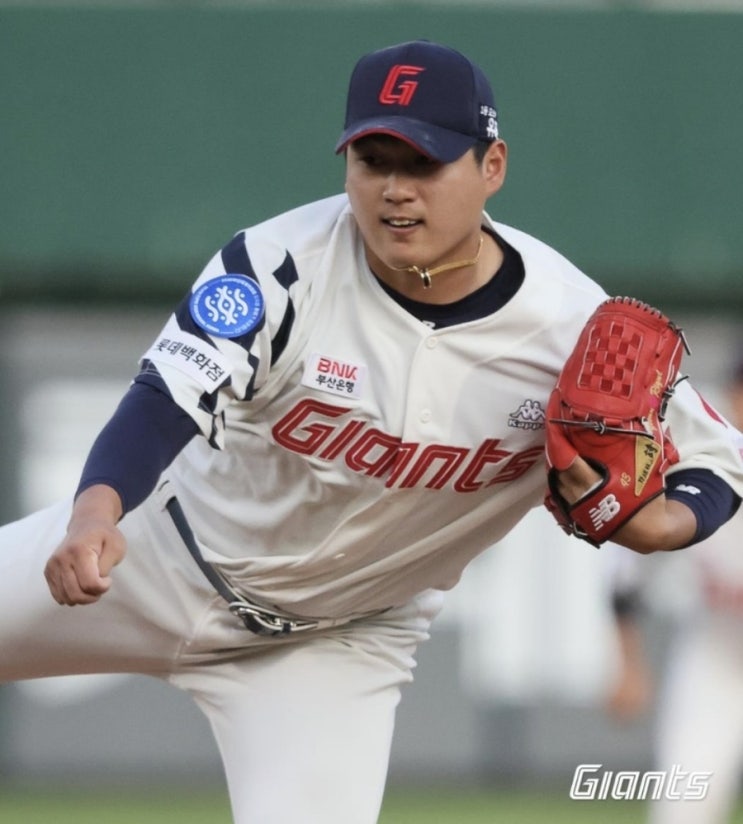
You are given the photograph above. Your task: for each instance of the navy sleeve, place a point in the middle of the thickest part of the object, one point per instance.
(711, 499)
(144, 435)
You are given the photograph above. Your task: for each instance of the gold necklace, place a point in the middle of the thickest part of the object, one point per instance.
(426, 274)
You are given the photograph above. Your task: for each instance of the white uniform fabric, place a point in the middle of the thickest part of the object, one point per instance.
(354, 461)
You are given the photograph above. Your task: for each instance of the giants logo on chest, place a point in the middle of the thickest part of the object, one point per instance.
(312, 428)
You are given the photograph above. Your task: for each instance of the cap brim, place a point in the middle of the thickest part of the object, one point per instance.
(433, 141)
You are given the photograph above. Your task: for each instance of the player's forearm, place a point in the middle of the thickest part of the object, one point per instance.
(144, 435)
(652, 529)
(697, 502)
(97, 503)
(660, 526)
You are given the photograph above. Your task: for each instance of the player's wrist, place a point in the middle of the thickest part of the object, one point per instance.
(577, 481)
(99, 502)
(661, 525)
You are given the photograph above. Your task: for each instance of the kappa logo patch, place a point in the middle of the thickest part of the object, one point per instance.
(529, 415)
(335, 376)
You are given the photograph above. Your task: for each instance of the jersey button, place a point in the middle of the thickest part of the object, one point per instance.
(431, 343)
(425, 416)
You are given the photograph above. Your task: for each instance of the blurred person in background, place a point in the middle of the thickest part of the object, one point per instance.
(699, 715)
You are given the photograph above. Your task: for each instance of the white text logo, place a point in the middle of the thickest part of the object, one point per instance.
(604, 511)
(591, 783)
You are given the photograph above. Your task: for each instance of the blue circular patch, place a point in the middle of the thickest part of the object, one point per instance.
(228, 306)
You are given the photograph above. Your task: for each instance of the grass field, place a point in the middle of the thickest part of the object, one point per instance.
(420, 807)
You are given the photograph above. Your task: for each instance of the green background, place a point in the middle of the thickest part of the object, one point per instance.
(134, 142)
(420, 806)
(411, 806)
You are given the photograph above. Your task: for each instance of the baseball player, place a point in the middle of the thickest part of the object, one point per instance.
(346, 407)
(699, 724)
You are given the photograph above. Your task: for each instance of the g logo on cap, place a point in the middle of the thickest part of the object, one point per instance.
(400, 92)
(227, 306)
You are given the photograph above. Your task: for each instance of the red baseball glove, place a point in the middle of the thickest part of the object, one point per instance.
(608, 407)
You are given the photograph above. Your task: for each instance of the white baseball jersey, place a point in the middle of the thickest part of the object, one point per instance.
(369, 456)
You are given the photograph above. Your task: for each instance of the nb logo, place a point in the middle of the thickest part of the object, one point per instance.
(398, 90)
(688, 488)
(606, 509)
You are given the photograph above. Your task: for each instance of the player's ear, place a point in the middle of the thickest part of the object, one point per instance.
(494, 166)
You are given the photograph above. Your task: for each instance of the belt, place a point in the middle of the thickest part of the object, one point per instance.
(257, 619)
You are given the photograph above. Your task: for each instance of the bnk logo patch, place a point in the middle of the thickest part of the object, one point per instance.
(338, 377)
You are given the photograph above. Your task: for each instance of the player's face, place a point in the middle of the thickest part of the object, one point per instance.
(414, 211)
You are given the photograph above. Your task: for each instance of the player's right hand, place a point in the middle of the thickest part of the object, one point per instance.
(78, 571)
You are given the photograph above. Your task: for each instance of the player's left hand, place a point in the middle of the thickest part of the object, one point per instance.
(661, 524)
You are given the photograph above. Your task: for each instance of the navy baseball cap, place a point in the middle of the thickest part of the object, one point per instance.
(430, 96)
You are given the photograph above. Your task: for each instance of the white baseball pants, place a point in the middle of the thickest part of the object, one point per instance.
(303, 723)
